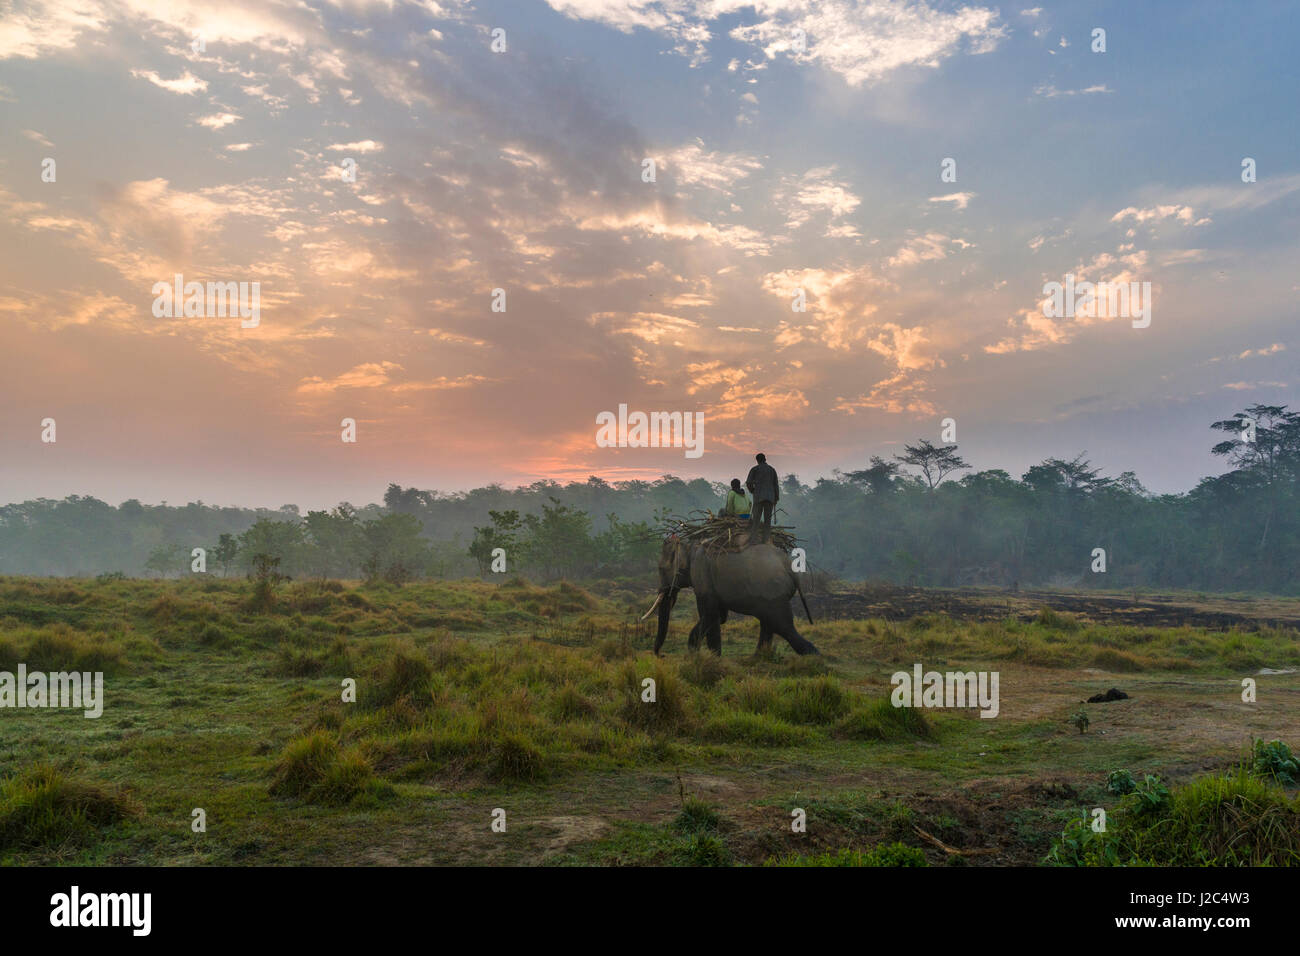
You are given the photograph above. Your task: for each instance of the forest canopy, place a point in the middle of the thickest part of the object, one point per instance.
(923, 518)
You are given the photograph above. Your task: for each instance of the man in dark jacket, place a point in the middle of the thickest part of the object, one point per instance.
(766, 490)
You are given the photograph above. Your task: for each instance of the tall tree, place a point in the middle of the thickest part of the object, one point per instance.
(934, 463)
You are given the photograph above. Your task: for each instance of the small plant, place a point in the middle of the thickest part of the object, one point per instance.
(1081, 845)
(1080, 720)
(1121, 782)
(266, 578)
(1275, 759)
(696, 816)
(1152, 796)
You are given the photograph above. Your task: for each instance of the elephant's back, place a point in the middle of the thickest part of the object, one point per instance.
(757, 574)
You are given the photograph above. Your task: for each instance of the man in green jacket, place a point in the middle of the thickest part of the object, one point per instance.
(737, 504)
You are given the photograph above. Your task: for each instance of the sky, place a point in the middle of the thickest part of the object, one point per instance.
(380, 167)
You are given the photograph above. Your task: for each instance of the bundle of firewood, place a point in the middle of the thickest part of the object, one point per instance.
(718, 533)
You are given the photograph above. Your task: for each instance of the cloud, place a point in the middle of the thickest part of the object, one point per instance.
(218, 120)
(898, 394)
(840, 304)
(927, 248)
(44, 28)
(37, 138)
(1270, 350)
(1182, 214)
(186, 84)
(1050, 91)
(652, 327)
(865, 41)
(962, 200)
(907, 349)
(1251, 386)
(362, 146)
(862, 41)
(817, 192)
(366, 375)
(1033, 330)
(442, 383)
(692, 165)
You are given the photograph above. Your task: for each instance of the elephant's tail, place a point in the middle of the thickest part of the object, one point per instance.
(803, 600)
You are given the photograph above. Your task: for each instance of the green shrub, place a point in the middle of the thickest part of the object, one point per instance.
(1274, 759)
(1120, 782)
(1150, 797)
(1228, 820)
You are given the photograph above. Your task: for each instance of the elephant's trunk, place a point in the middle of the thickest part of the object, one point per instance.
(665, 611)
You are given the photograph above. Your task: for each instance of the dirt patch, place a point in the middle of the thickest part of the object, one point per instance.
(986, 604)
(570, 830)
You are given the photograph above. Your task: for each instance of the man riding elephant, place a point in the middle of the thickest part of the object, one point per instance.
(766, 489)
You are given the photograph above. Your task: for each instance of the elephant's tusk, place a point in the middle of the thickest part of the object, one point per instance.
(653, 606)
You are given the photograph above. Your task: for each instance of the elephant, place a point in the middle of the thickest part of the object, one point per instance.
(756, 580)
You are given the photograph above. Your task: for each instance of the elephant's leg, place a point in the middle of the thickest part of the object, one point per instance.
(714, 635)
(707, 613)
(764, 638)
(710, 625)
(783, 624)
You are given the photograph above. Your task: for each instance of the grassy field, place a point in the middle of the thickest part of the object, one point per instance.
(475, 697)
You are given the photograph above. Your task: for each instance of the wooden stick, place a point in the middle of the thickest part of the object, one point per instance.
(950, 850)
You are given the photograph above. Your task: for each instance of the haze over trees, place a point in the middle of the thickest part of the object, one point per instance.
(924, 518)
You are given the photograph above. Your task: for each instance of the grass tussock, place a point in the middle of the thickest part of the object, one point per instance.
(40, 807)
(59, 647)
(315, 769)
(879, 719)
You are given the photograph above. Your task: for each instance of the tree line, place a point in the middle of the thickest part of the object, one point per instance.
(924, 517)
